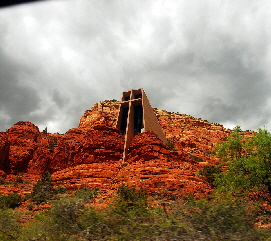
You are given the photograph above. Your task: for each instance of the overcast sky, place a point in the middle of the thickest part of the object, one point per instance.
(209, 59)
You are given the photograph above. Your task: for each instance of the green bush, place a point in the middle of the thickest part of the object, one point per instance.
(170, 145)
(60, 189)
(86, 194)
(10, 229)
(10, 201)
(65, 214)
(43, 190)
(18, 180)
(129, 198)
(2, 181)
(219, 218)
(248, 161)
(196, 158)
(215, 218)
(210, 172)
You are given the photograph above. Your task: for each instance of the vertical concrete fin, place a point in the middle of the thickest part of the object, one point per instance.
(129, 130)
(150, 120)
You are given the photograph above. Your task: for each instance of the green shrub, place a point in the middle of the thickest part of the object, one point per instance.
(2, 181)
(93, 225)
(170, 145)
(19, 180)
(60, 189)
(220, 218)
(129, 199)
(65, 214)
(86, 194)
(52, 142)
(248, 162)
(215, 218)
(10, 229)
(209, 173)
(124, 164)
(10, 201)
(43, 190)
(196, 158)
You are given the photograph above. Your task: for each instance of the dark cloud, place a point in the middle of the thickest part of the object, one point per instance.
(59, 99)
(17, 101)
(210, 60)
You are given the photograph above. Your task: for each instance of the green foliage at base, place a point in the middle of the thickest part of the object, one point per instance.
(10, 229)
(215, 218)
(65, 214)
(128, 198)
(220, 217)
(248, 161)
(60, 189)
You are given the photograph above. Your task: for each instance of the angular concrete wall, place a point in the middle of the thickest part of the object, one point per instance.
(131, 100)
(150, 120)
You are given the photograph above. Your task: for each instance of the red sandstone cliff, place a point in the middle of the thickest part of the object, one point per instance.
(91, 155)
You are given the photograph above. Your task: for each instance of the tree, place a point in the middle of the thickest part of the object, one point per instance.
(65, 214)
(43, 190)
(248, 161)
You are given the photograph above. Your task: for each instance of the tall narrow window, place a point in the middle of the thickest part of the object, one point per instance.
(124, 119)
(138, 119)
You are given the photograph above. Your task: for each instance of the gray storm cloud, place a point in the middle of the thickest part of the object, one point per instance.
(207, 59)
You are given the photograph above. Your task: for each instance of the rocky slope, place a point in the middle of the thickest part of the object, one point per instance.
(91, 155)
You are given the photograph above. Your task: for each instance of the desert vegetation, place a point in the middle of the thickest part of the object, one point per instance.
(132, 217)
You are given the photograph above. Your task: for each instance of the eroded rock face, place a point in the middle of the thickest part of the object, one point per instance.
(192, 135)
(152, 166)
(98, 144)
(78, 146)
(4, 152)
(147, 146)
(104, 113)
(23, 137)
(41, 158)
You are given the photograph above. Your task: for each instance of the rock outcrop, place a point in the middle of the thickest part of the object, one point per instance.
(152, 166)
(105, 112)
(91, 155)
(4, 152)
(23, 137)
(78, 146)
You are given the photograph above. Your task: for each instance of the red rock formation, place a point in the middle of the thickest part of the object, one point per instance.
(4, 152)
(105, 113)
(194, 136)
(150, 165)
(41, 157)
(23, 137)
(91, 155)
(155, 168)
(78, 146)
